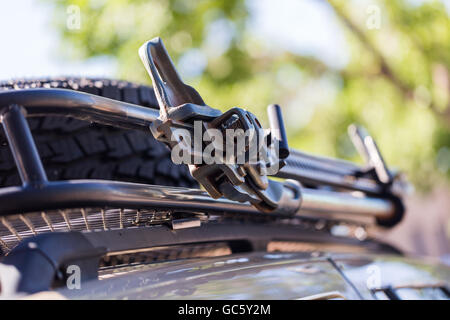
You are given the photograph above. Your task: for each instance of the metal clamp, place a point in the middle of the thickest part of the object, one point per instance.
(263, 153)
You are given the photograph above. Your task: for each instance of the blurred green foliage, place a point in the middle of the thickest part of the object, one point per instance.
(396, 82)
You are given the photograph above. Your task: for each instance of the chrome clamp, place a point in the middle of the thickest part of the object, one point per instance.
(203, 135)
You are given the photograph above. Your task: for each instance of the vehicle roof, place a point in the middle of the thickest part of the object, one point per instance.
(258, 275)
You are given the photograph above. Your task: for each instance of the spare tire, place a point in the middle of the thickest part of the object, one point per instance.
(75, 149)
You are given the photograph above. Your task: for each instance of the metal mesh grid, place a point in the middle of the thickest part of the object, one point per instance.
(15, 228)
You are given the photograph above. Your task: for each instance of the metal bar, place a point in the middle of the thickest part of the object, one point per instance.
(317, 170)
(357, 134)
(28, 223)
(329, 201)
(85, 218)
(317, 177)
(101, 193)
(66, 219)
(22, 146)
(47, 221)
(4, 244)
(121, 218)
(325, 163)
(277, 129)
(103, 219)
(80, 105)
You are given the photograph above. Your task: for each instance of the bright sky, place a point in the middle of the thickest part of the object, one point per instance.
(309, 27)
(30, 43)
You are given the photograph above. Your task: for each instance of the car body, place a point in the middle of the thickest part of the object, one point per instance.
(271, 275)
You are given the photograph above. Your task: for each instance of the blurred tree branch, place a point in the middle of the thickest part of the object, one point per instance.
(385, 68)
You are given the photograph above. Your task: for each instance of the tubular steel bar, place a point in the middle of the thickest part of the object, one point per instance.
(316, 170)
(339, 202)
(22, 146)
(277, 129)
(100, 193)
(83, 106)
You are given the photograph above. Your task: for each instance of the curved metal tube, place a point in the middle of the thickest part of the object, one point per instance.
(80, 105)
(101, 193)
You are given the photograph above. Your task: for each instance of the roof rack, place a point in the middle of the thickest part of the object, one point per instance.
(37, 193)
(51, 251)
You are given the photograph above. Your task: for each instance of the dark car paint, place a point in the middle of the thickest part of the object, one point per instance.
(258, 276)
(393, 271)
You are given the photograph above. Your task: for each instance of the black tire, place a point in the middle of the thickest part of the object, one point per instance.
(74, 149)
